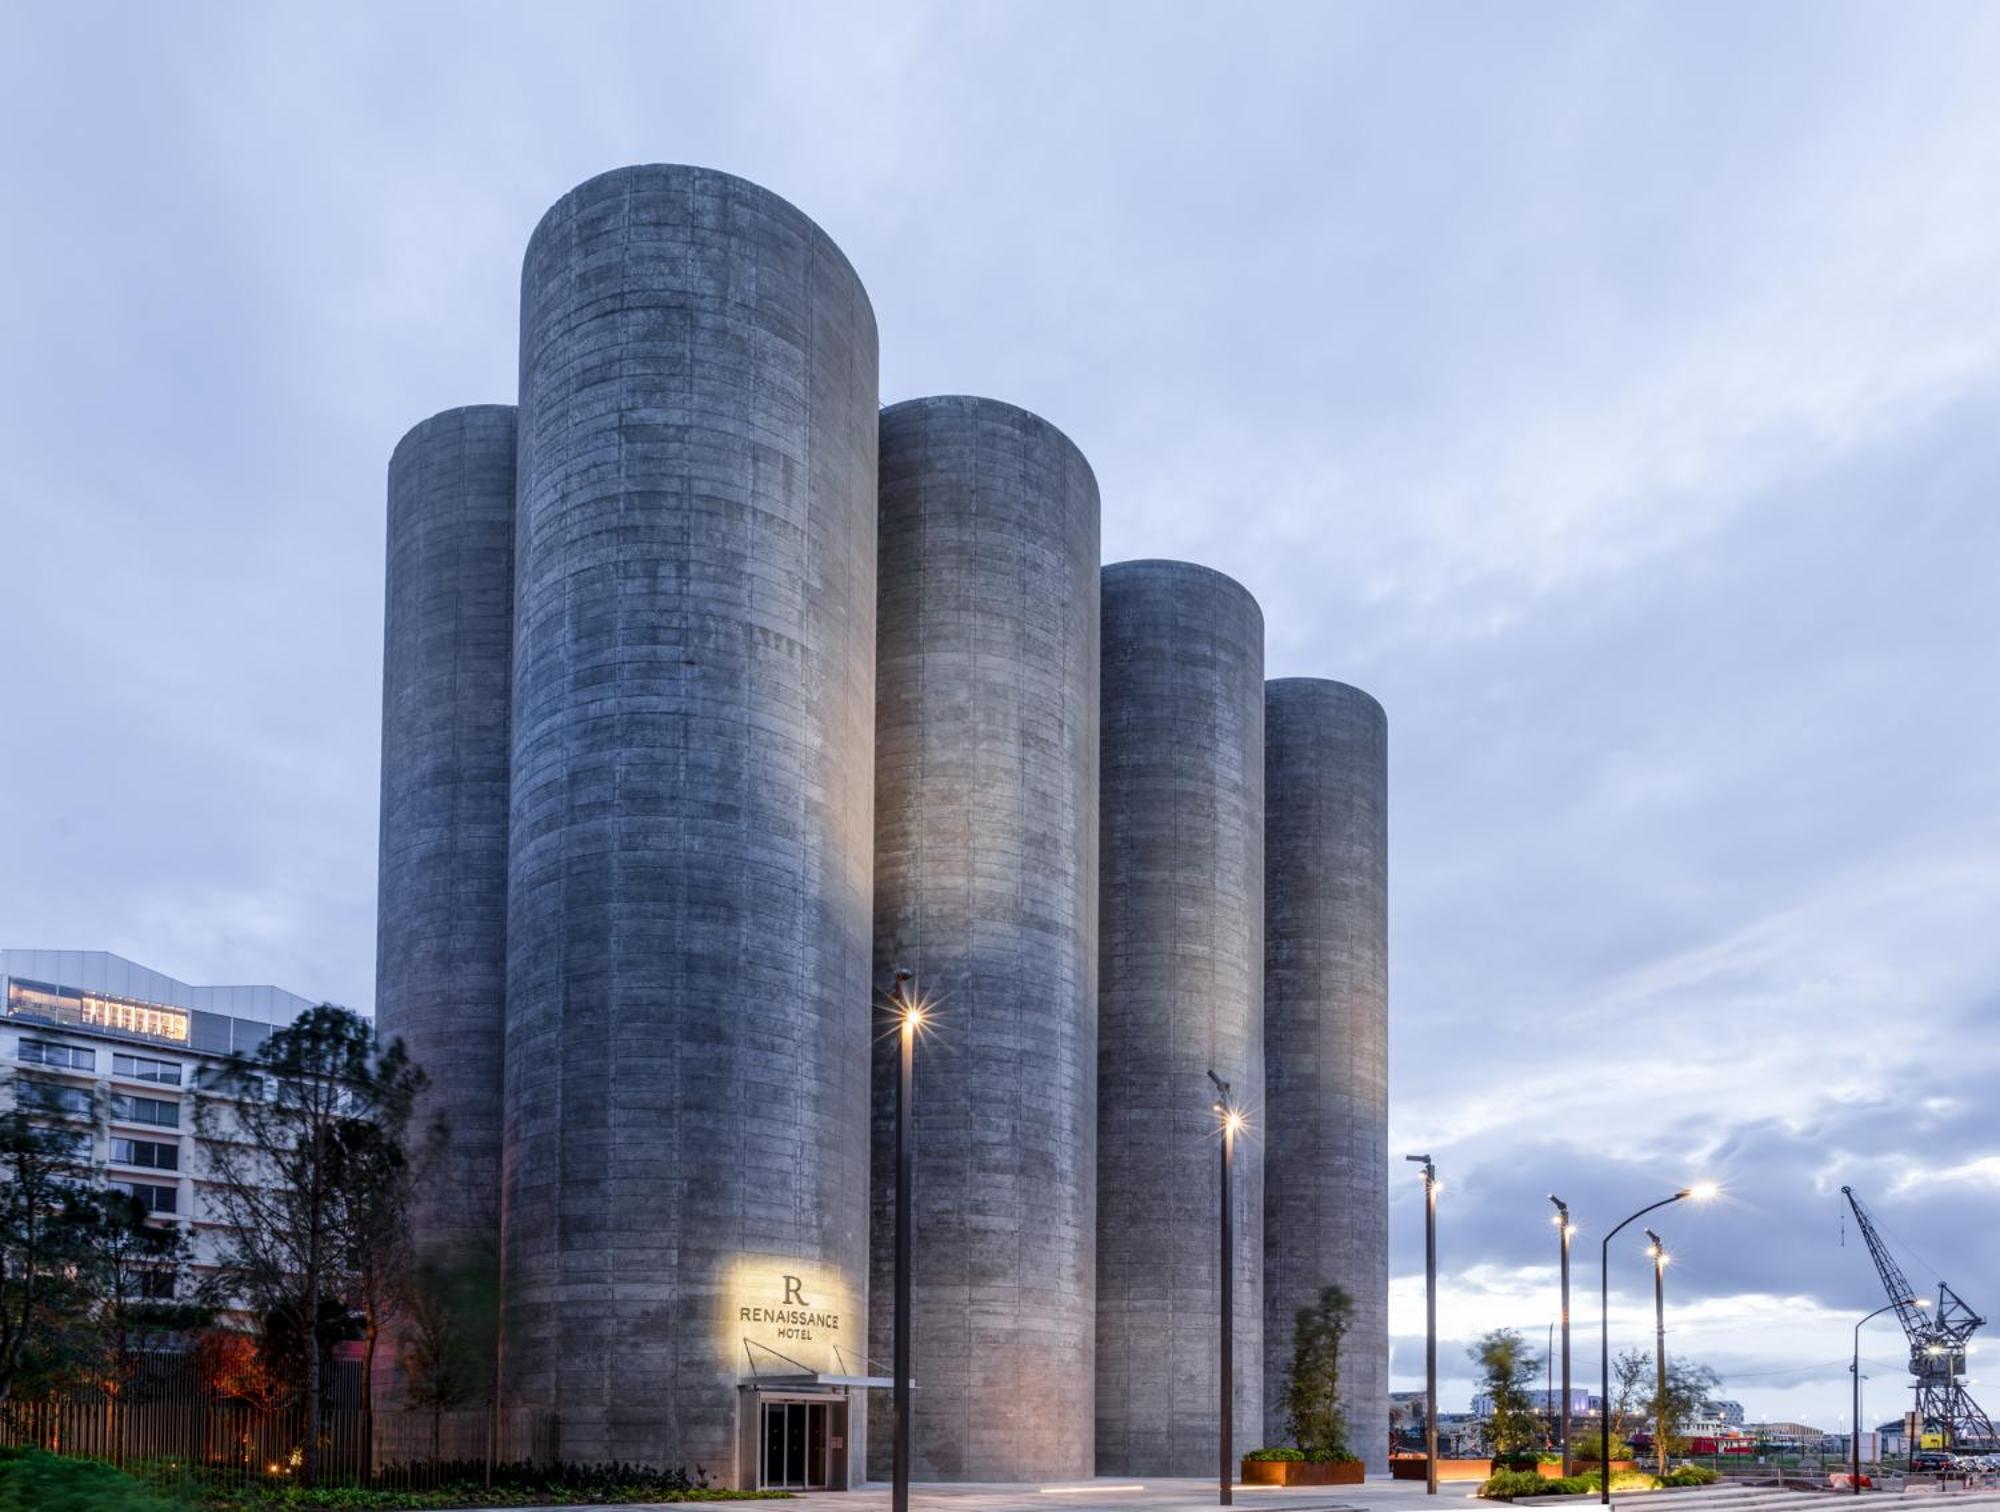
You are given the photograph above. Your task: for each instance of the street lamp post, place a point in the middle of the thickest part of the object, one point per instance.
(1854, 1475)
(1231, 1120)
(1430, 1322)
(1566, 1230)
(1604, 1334)
(910, 1017)
(1659, 1254)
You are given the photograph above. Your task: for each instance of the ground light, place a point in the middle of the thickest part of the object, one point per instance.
(1854, 1427)
(1700, 1192)
(1230, 1118)
(1431, 1188)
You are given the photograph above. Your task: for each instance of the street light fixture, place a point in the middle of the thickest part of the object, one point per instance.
(1431, 1185)
(1230, 1118)
(1854, 1475)
(1567, 1231)
(1701, 1192)
(909, 1015)
(1659, 1254)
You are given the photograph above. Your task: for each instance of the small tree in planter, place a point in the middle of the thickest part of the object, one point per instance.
(1313, 1416)
(1312, 1382)
(1507, 1366)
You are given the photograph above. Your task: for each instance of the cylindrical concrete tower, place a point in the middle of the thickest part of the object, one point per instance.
(1326, 1038)
(441, 938)
(1180, 992)
(986, 889)
(690, 881)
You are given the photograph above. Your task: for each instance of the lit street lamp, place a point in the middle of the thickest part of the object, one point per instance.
(1700, 1193)
(909, 1015)
(1231, 1120)
(1567, 1231)
(1659, 1254)
(1855, 1434)
(1430, 1322)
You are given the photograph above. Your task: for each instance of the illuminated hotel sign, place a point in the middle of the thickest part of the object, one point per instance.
(795, 1318)
(796, 1310)
(95, 1010)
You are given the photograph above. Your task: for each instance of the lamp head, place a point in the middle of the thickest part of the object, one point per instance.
(1703, 1191)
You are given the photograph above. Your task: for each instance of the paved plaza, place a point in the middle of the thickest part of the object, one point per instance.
(1379, 1494)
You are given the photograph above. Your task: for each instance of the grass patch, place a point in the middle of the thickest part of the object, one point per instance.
(34, 1481)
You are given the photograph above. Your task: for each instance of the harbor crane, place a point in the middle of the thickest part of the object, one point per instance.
(1938, 1337)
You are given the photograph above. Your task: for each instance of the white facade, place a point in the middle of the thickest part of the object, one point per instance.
(113, 1050)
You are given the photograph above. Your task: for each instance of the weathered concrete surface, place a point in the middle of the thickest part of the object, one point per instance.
(1326, 1036)
(986, 888)
(441, 945)
(1180, 991)
(690, 882)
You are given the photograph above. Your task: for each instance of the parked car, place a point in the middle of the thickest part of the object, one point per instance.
(1930, 1462)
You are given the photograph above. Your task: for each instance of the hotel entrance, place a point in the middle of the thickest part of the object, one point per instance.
(802, 1444)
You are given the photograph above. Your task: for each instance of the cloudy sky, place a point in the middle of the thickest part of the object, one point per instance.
(1608, 388)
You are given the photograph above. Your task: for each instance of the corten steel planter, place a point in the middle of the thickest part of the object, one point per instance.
(1303, 1472)
(1411, 1467)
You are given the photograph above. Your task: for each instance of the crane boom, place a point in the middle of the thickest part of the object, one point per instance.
(1915, 1325)
(1938, 1341)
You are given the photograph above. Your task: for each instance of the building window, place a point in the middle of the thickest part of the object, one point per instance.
(70, 1144)
(47, 1097)
(145, 1110)
(41, 1053)
(156, 1285)
(155, 1199)
(47, 1000)
(143, 1068)
(149, 1153)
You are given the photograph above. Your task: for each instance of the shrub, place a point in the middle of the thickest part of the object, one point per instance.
(32, 1481)
(1515, 1484)
(1585, 1448)
(1690, 1475)
(1289, 1456)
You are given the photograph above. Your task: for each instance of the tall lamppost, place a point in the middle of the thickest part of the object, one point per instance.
(1854, 1476)
(1701, 1192)
(909, 1013)
(1430, 1321)
(1567, 1231)
(1231, 1120)
(1659, 1253)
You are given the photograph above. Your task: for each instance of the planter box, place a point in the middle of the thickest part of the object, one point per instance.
(1303, 1473)
(1411, 1467)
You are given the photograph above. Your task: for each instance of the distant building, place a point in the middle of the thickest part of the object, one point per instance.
(1728, 1413)
(108, 1050)
(1581, 1403)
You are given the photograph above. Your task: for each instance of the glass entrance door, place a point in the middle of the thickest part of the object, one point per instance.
(795, 1445)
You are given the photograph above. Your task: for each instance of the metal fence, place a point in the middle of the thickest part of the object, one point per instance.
(177, 1433)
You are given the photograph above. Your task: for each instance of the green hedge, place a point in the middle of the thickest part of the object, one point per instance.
(1690, 1475)
(1516, 1485)
(33, 1481)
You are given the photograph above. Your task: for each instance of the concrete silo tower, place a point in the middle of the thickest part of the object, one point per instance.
(690, 883)
(986, 889)
(441, 939)
(1180, 993)
(1326, 1036)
